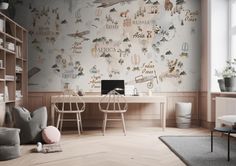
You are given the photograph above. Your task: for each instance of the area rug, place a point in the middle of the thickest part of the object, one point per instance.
(196, 151)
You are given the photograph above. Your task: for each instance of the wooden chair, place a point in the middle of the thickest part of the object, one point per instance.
(70, 103)
(113, 103)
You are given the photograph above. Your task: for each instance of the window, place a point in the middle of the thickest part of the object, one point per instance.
(232, 29)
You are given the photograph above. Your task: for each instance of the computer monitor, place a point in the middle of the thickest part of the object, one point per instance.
(108, 85)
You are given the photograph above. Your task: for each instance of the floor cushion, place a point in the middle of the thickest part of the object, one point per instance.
(51, 135)
(9, 143)
(30, 124)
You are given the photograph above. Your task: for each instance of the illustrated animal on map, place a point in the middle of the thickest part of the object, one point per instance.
(124, 14)
(168, 5)
(173, 71)
(78, 34)
(108, 3)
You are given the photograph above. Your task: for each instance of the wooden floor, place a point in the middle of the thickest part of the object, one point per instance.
(140, 147)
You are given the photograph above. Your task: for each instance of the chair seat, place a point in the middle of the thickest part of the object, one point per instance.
(113, 111)
(71, 111)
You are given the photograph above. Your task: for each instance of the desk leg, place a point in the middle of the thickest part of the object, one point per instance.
(228, 145)
(52, 114)
(161, 115)
(163, 110)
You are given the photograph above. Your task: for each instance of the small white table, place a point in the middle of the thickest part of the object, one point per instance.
(129, 99)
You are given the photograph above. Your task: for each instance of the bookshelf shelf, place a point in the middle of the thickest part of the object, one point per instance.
(13, 66)
(10, 101)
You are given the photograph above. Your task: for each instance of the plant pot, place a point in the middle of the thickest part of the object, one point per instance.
(230, 84)
(221, 83)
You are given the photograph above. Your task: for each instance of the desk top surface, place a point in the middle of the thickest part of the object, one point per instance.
(129, 99)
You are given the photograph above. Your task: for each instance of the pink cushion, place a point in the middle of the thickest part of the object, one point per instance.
(51, 135)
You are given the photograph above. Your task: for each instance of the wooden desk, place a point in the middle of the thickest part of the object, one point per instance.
(130, 99)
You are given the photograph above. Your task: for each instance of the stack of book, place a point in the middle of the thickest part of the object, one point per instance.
(10, 46)
(9, 77)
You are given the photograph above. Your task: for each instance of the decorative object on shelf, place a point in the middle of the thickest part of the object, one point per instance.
(4, 5)
(18, 95)
(149, 92)
(80, 92)
(66, 86)
(229, 77)
(10, 46)
(9, 7)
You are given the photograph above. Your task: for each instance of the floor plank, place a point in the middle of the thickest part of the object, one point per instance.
(141, 147)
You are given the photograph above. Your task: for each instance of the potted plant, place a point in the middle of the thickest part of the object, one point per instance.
(228, 83)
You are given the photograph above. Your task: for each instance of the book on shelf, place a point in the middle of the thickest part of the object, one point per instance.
(6, 93)
(1, 42)
(18, 51)
(1, 97)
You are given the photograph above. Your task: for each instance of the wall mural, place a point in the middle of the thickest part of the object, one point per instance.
(151, 44)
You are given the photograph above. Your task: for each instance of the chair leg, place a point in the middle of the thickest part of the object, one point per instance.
(104, 123)
(58, 120)
(123, 122)
(211, 140)
(61, 120)
(78, 122)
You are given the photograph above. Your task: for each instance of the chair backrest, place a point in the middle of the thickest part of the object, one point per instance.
(70, 102)
(113, 101)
